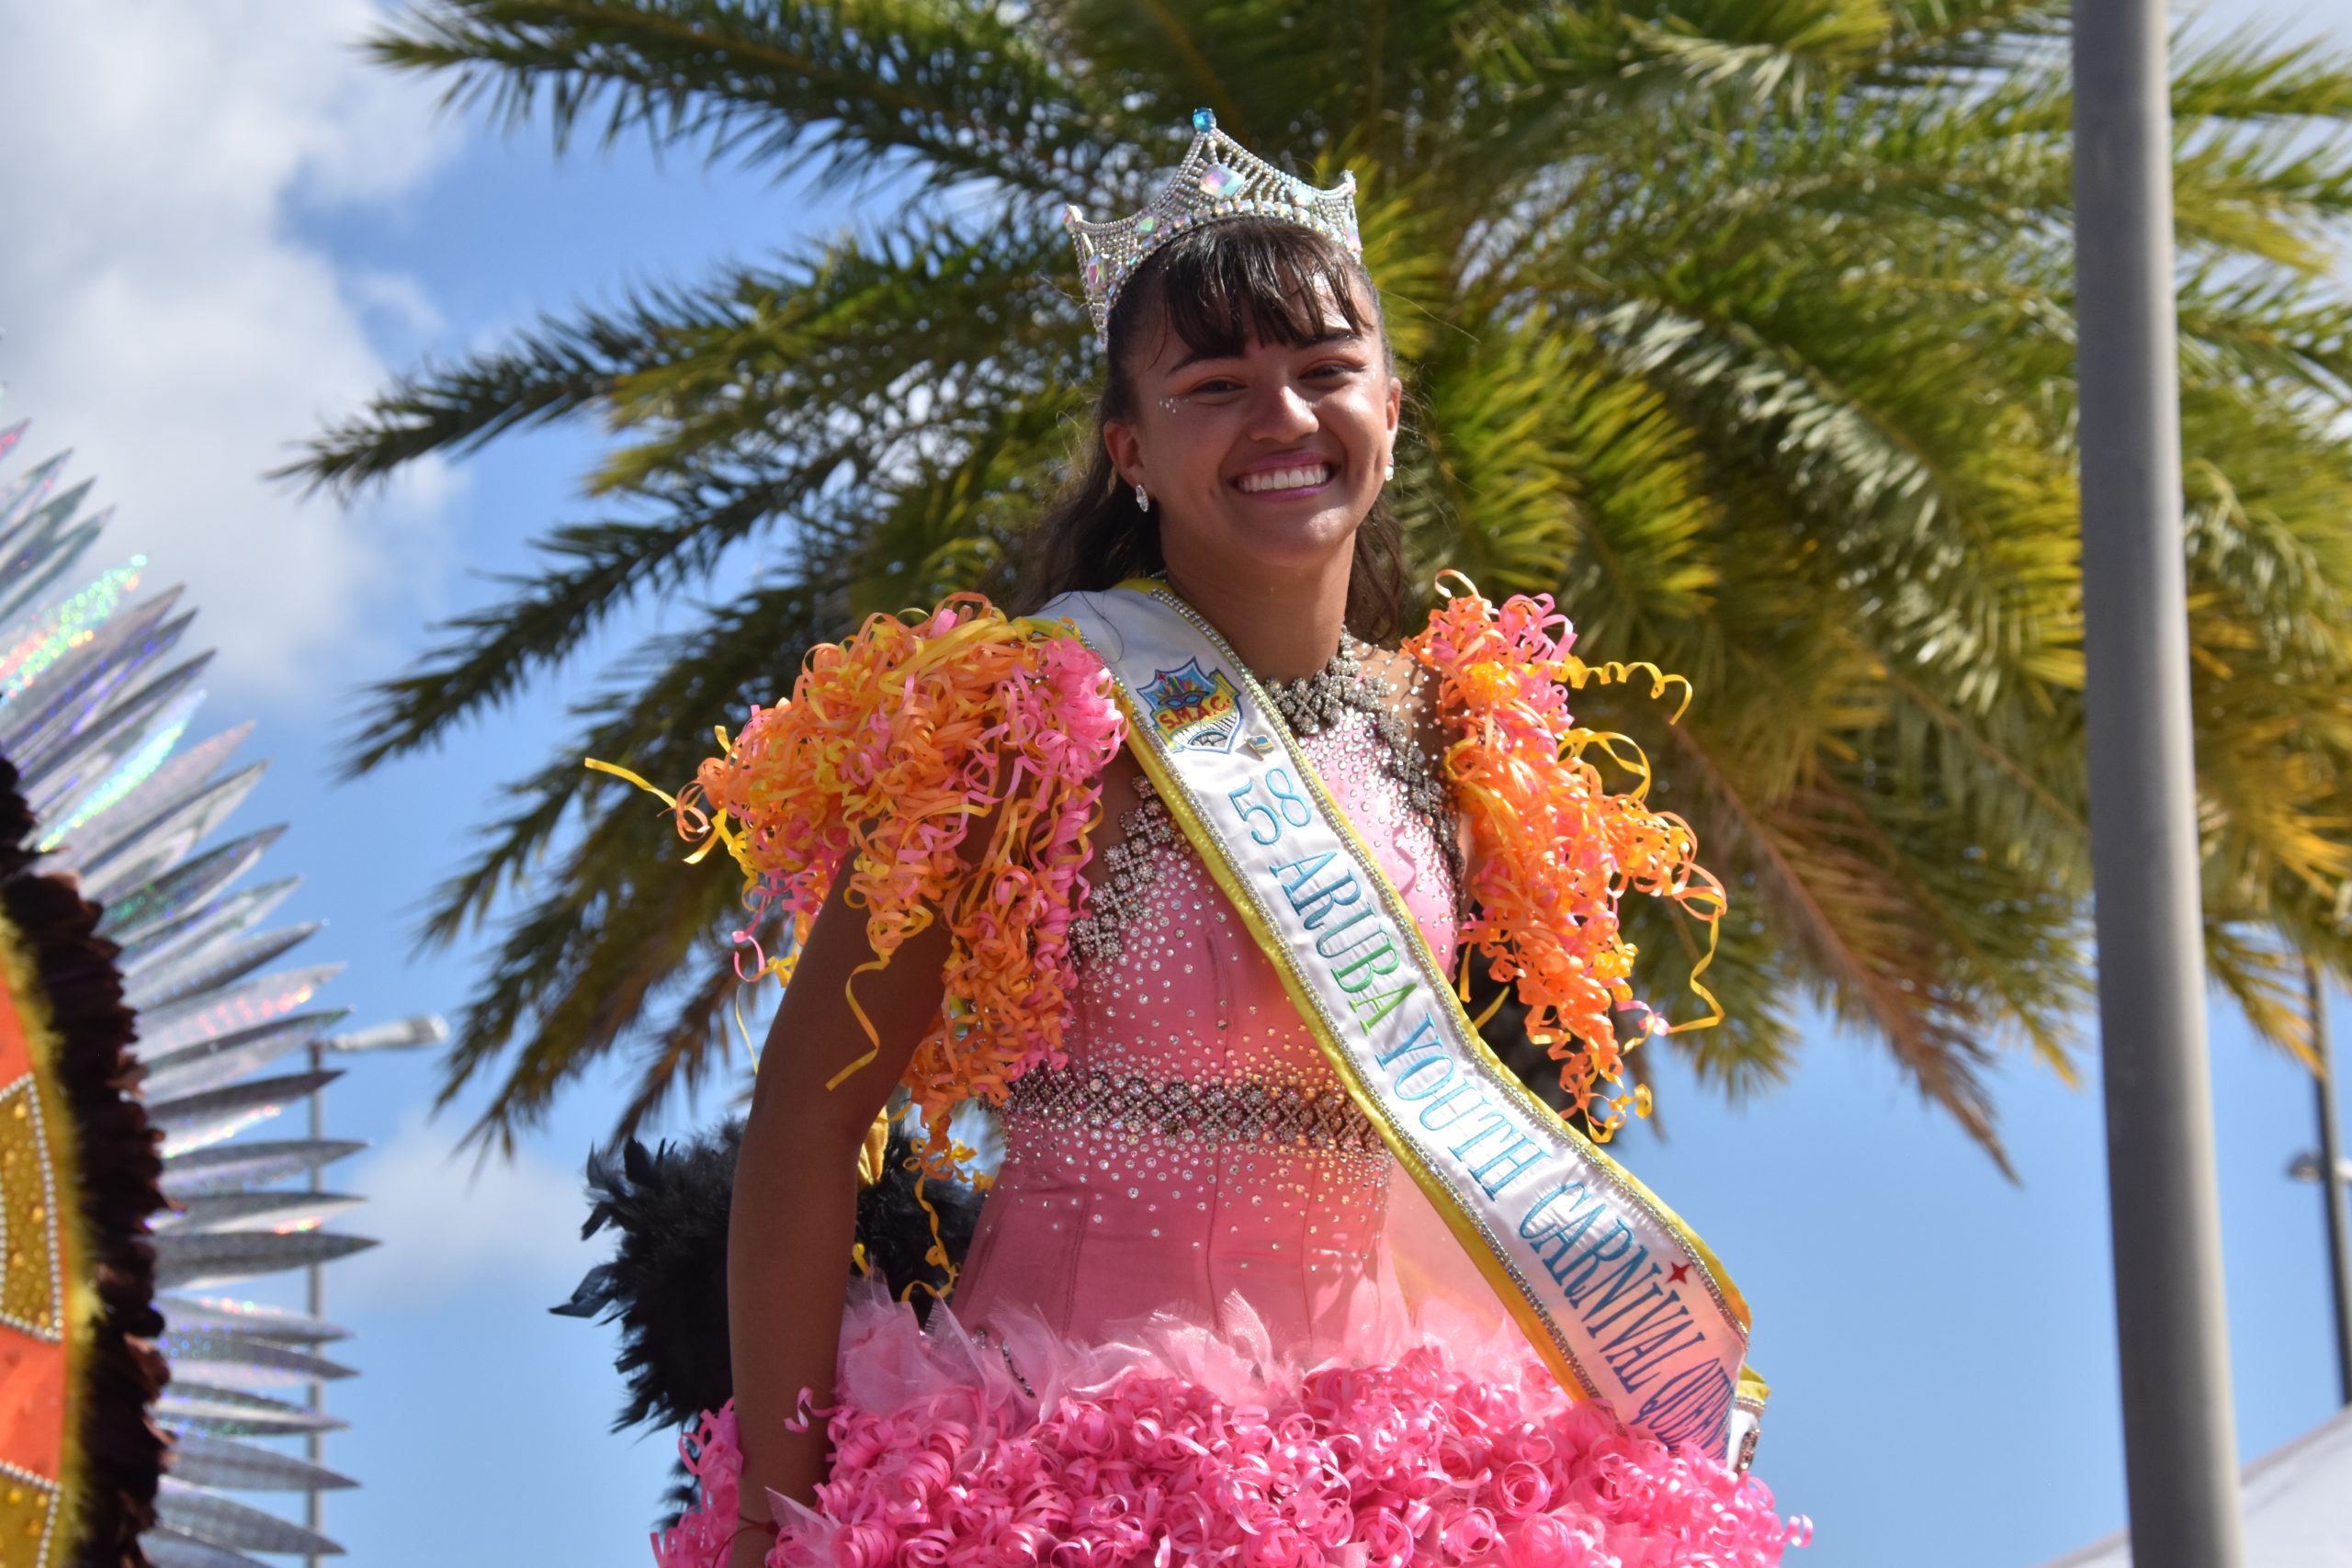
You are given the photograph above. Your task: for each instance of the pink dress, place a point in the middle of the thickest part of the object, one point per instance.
(1180, 1334)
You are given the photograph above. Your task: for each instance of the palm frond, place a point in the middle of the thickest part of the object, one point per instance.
(559, 371)
(592, 571)
(1933, 42)
(782, 83)
(2257, 74)
(2266, 982)
(1870, 957)
(577, 974)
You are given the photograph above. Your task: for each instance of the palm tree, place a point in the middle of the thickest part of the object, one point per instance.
(1742, 327)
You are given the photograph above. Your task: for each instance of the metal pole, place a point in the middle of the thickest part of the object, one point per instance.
(2180, 1434)
(314, 1444)
(2331, 1187)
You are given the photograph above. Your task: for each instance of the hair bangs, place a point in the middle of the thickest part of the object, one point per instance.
(1225, 283)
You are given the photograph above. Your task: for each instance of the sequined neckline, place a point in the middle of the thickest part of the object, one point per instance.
(1312, 703)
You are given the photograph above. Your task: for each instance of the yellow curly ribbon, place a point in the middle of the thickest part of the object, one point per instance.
(1576, 672)
(680, 806)
(936, 1253)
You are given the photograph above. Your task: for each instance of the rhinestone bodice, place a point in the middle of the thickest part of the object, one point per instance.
(1196, 1145)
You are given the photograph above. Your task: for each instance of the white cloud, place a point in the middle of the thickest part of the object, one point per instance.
(163, 316)
(446, 1228)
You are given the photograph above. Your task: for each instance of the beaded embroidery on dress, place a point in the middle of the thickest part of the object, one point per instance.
(1196, 1146)
(1343, 691)
(1180, 1334)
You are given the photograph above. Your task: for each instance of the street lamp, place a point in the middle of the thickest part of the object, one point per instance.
(2329, 1156)
(2304, 1166)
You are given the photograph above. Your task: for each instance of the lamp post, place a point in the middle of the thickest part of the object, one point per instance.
(2179, 1433)
(403, 1034)
(2329, 1158)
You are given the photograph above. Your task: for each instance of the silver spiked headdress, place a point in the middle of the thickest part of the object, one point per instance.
(1218, 180)
(95, 703)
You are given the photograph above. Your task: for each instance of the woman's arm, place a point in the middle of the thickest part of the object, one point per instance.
(794, 1218)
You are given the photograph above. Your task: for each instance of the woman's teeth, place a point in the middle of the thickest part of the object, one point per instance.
(1303, 476)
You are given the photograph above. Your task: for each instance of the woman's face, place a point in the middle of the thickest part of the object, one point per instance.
(1264, 459)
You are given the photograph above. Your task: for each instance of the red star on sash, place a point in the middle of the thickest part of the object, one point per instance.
(1674, 1276)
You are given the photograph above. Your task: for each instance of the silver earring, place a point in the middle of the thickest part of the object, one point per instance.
(1143, 498)
(1389, 472)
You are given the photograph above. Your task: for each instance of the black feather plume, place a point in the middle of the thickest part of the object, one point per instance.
(666, 1282)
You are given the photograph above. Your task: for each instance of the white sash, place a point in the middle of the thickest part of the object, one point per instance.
(1616, 1295)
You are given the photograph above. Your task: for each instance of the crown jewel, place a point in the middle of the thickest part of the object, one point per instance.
(1218, 180)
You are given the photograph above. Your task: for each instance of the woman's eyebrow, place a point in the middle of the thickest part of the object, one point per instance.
(1199, 356)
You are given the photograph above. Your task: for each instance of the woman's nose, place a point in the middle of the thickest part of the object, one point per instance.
(1281, 412)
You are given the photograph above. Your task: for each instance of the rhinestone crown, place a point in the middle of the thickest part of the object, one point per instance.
(1218, 180)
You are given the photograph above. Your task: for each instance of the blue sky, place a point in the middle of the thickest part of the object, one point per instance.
(236, 229)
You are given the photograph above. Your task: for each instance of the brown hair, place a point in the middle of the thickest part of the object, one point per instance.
(1215, 287)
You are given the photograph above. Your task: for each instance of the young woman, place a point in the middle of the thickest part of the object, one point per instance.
(1278, 1267)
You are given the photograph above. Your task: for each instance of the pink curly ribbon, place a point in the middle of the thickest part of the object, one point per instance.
(1425, 1459)
(892, 746)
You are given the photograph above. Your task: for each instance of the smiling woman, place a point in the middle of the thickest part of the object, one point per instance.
(1281, 1264)
(1250, 361)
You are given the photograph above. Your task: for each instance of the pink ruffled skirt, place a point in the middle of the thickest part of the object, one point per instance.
(1180, 1445)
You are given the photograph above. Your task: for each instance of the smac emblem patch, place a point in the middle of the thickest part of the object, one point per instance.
(1194, 709)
